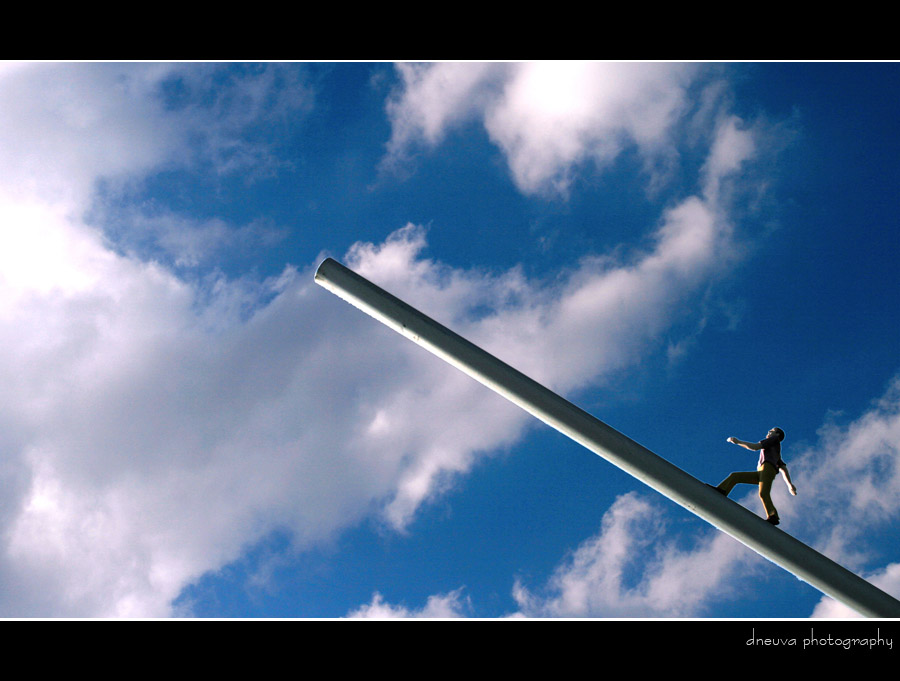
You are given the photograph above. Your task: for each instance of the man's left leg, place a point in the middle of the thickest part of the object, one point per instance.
(737, 478)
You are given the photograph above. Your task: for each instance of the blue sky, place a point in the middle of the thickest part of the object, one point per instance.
(192, 427)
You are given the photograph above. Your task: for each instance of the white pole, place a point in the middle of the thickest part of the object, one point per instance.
(730, 517)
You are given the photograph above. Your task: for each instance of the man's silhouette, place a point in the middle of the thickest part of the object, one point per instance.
(770, 464)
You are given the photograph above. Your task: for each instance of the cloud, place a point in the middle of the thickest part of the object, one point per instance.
(839, 512)
(630, 569)
(549, 118)
(886, 579)
(442, 606)
(435, 97)
(116, 373)
(152, 233)
(600, 318)
(153, 428)
(61, 128)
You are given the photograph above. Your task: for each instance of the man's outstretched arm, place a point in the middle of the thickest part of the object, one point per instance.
(753, 446)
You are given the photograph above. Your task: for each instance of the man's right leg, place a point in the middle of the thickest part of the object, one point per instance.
(767, 474)
(748, 477)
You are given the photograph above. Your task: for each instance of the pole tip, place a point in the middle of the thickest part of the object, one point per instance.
(326, 264)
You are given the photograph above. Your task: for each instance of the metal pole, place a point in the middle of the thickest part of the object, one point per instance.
(753, 531)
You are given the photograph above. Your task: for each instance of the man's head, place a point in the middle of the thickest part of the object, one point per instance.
(777, 432)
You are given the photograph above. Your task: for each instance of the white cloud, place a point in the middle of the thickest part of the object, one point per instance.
(120, 451)
(548, 118)
(153, 429)
(628, 569)
(436, 97)
(839, 510)
(441, 606)
(157, 234)
(599, 319)
(63, 127)
(733, 145)
(620, 307)
(887, 579)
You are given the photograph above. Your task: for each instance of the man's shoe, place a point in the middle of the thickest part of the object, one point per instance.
(773, 519)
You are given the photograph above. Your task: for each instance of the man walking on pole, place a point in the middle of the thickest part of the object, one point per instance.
(770, 464)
